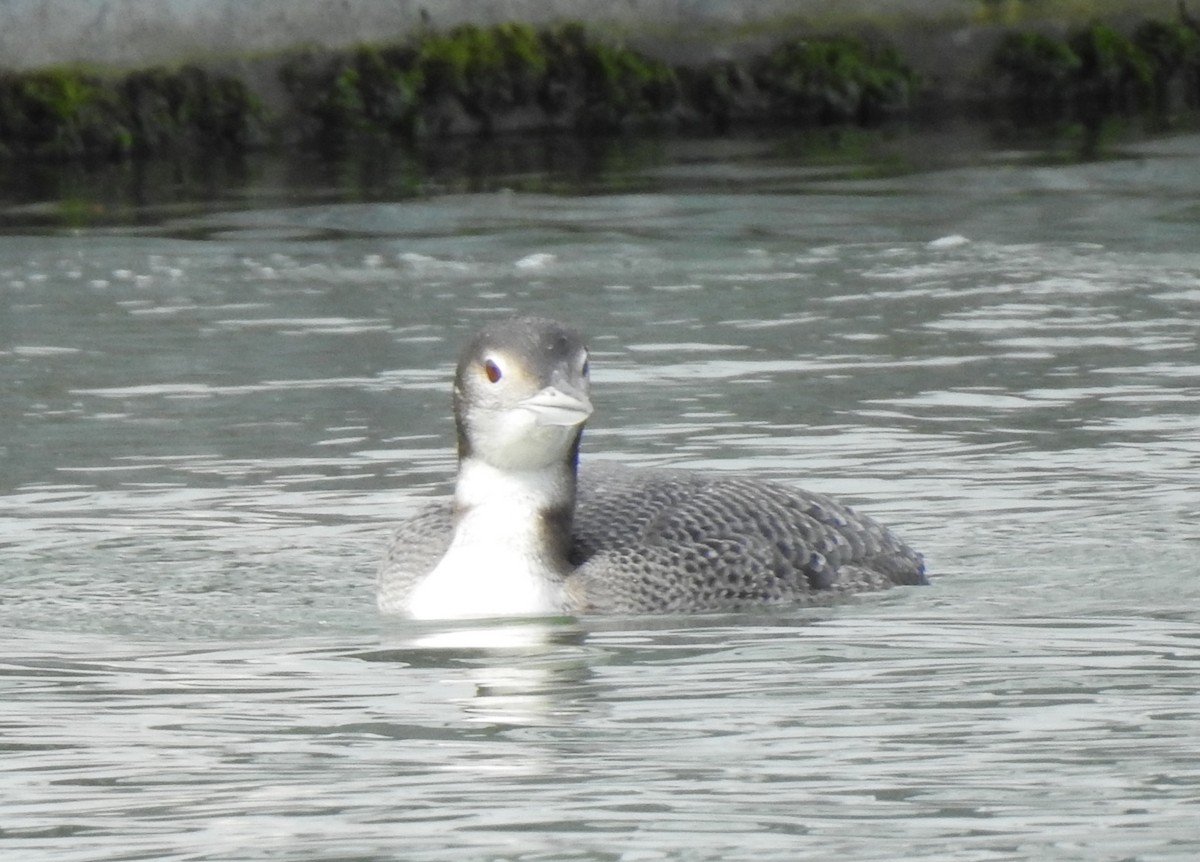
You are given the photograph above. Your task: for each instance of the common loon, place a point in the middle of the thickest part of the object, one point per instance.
(528, 532)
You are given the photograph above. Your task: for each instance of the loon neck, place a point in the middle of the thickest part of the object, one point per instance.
(508, 554)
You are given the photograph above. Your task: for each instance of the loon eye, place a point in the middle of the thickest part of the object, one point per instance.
(492, 370)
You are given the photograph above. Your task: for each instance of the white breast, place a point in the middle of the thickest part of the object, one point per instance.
(496, 564)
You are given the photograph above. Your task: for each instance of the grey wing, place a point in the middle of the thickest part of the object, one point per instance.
(416, 546)
(659, 540)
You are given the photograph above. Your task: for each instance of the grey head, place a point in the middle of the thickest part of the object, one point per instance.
(521, 395)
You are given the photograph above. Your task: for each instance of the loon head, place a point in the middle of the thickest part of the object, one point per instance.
(521, 395)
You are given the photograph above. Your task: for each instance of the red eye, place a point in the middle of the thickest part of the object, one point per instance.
(492, 370)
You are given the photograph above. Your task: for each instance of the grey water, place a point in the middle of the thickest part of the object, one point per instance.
(211, 409)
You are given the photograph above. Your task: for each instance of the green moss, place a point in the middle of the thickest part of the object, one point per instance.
(1173, 51)
(805, 82)
(599, 86)
(1097, 70)
(381, 92)
(1168, 44)
(187, 107)
(484, 67)
(1034, 70)
(58, 113)
(66, 114)
(60, 92)
(477, 80)
(1113, 73)
(373, 90)
(835, 80)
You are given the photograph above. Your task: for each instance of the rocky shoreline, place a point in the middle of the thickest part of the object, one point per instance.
(474, 80)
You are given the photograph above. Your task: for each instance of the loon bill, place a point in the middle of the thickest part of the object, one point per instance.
(530, 532)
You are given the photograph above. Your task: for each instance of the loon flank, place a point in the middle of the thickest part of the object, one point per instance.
(531, 532)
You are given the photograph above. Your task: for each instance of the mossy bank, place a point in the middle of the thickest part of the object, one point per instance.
(482, 80)
(69, 114)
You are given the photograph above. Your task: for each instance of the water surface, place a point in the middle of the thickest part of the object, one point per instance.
(211, 413)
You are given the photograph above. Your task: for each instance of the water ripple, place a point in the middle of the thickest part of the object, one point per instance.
(209, 424)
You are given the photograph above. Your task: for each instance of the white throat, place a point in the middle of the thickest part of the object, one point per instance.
(501, 560)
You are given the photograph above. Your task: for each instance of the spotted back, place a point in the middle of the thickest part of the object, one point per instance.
(673, 540)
